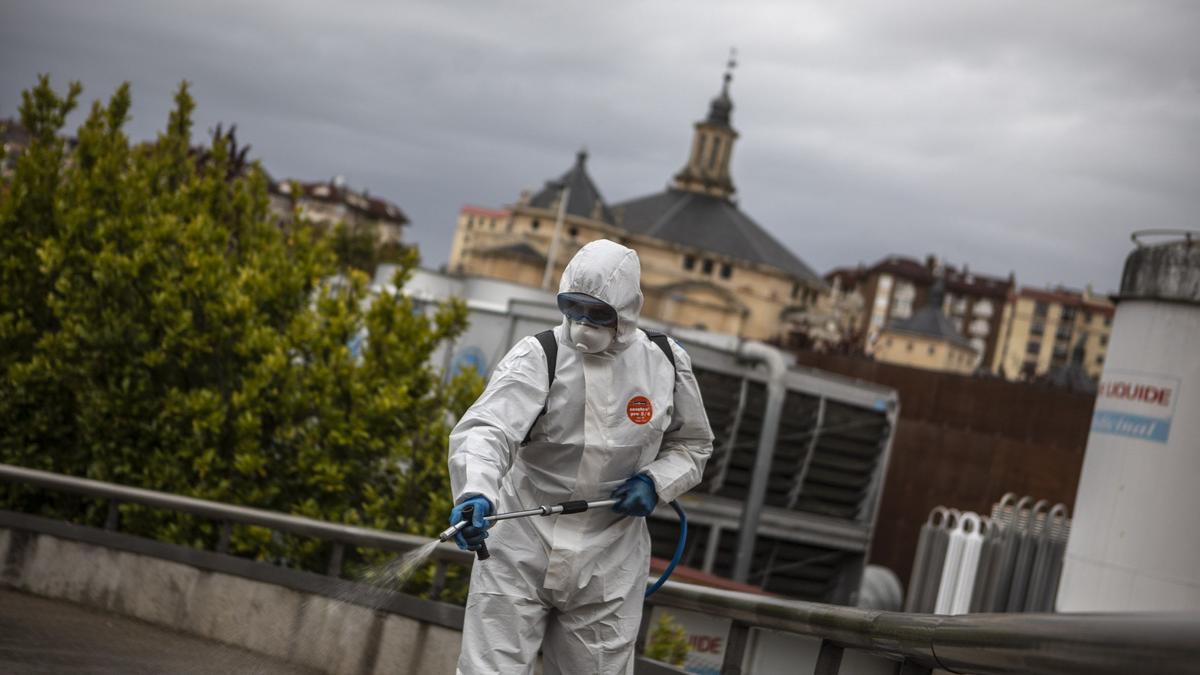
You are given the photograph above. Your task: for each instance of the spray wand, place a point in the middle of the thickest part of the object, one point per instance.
(577, 506)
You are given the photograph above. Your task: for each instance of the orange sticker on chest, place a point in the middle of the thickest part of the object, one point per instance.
(639, 410)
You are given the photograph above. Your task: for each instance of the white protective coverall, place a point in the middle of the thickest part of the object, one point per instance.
(573, 584)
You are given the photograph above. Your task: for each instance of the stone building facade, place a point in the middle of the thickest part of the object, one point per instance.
(705, 262)
(927, 339)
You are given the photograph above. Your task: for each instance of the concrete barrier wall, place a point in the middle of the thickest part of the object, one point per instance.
(306, 629)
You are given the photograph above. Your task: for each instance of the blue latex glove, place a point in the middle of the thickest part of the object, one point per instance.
(635, 497)
(471, 537)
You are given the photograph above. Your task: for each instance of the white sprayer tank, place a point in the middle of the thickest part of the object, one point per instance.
(1135, 541)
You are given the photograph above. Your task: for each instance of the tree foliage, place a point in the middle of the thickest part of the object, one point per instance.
(160, 328)
(668, 641)
(357, 247)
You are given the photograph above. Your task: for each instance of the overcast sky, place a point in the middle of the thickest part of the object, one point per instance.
(1025, 136)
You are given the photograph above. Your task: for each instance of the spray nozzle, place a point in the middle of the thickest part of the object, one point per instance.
(454, 529)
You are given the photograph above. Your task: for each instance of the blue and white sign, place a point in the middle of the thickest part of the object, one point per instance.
(1136, 405)
(470, 357)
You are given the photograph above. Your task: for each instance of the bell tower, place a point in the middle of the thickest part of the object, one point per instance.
(707, 170)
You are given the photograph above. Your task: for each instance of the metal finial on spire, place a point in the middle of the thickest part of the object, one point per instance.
(729, 66)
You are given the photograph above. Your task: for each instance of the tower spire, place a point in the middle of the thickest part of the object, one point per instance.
(707, 169)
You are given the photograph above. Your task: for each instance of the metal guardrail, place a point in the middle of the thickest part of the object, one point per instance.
(984, 644)
(228, 514)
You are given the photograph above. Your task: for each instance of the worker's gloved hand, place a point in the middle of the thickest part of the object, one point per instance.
(635, 497)
(471, 537)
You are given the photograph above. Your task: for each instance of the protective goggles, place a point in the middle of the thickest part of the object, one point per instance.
(583, 308)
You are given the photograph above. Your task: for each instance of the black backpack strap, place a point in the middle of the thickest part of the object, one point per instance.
(550, 347)
(663, 343)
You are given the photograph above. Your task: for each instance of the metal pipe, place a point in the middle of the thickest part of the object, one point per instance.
(813, 440)
(730, 445)
(558, 223)
(553, 510)
(776, 391)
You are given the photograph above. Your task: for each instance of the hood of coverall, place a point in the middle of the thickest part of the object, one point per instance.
(612, 273)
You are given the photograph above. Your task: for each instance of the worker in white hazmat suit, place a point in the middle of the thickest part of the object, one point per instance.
(617, 420)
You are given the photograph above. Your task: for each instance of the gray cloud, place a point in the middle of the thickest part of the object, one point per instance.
(1030, 137)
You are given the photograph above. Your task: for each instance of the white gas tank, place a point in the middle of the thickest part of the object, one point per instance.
(1134, 542)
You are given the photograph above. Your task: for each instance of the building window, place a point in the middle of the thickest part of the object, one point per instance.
(1107, 320)
(1037, 329)
(1099, 359)
(1040, 309)
(932, 350)
(1103, 340)
(1087, 317)
(713, 151)
(902, 300)
(470, 221)
(726, 270)
(1033, 348)
(574, 232)
(909, 346)
(795, 290)
(689, 262)
(888, 342)
(535, 224)
(707, 268)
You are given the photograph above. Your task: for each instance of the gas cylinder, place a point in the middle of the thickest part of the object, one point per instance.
(1134, 544)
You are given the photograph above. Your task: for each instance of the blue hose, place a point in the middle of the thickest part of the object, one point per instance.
(679, 546)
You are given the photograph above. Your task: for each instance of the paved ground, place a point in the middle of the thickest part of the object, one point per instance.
(47, 636)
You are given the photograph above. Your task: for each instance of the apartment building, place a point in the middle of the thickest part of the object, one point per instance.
(1044, 327)
(895, 286)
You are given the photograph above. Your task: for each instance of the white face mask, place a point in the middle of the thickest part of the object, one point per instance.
(590, 339)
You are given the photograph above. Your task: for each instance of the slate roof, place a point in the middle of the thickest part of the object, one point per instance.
(711, 224)
(585, 199)
(519, 251)
(957, 280)
(930, 321)
(721, 107)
